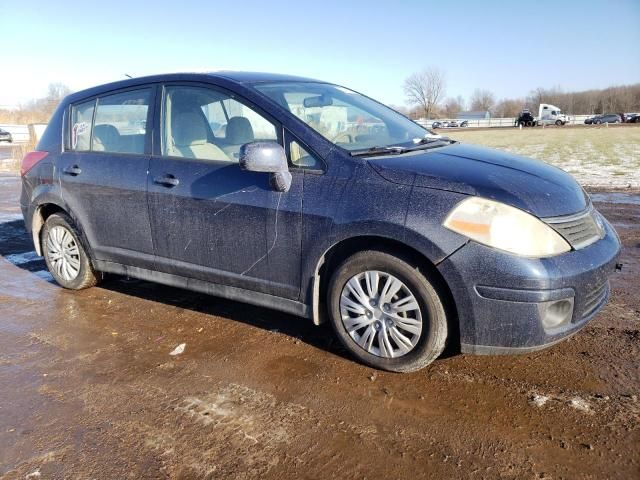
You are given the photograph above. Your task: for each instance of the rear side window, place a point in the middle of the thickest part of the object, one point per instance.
(81, 118)
(121, 122)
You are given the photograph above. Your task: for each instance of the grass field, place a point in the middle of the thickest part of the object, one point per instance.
(597, 156)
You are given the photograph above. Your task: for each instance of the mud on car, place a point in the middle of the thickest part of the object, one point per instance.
(310, 198)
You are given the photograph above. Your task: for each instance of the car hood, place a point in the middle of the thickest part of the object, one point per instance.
(531, 185)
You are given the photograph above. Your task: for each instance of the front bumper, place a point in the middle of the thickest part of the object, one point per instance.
(500, 297)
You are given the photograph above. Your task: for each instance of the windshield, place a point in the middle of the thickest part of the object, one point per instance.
(344, 117)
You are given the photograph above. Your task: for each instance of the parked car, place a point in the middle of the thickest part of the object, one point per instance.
(449, 124)
(5, 136)
(633, 118)
(608, 118)
(402, 240)
(590, 120)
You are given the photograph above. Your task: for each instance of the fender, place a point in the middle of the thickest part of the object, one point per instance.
(367, 237)
(35, 219)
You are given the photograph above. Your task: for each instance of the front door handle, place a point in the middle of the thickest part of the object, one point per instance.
(167, 181)
(73, 171)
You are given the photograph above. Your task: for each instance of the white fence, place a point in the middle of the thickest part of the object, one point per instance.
(19, 133)
(501, 122)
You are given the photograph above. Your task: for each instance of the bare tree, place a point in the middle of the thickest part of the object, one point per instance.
(37, 110)
(425, 89)
(56, 92)
(482, 100)
(508, 108)
(452, 106)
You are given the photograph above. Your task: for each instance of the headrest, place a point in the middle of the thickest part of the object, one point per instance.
(106, 134)
(239, 131)
(188, 129)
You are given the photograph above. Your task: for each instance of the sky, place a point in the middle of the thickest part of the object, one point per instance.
(507, 47)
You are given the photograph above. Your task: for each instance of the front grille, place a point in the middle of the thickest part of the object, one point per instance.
(594, 298)
(579, 230)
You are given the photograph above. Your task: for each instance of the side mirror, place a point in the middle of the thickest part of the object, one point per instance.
(268, 157)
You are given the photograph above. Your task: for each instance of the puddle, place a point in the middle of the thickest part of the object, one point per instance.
(45, 275)
(6, 217)
(616, 197)
(22, 258)
(5, 179)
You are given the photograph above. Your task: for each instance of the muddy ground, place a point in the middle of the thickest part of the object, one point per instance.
(88, 388)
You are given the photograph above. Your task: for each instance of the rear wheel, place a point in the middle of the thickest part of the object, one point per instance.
(386, 312)
(64, 254)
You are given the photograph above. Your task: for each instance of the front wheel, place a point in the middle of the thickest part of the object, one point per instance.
(386, 312)
(559, 123)
(64, 254)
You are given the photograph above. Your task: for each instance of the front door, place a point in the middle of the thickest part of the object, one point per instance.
(210, 219)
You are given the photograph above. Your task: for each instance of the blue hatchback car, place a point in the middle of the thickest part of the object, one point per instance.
(315, 200)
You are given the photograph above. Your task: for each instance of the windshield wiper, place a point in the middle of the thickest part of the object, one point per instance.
(377, 150)
(426, 143)
(426, 140)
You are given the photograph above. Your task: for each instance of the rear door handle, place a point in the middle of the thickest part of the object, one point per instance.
(167, 181)
(73, 171)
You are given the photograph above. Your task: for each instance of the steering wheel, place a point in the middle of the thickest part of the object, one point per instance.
(340, 135)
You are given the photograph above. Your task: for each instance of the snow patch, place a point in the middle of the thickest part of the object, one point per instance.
(580, 404)
(539, 400)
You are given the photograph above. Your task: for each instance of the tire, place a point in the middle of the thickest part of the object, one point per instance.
(559, 123)
(427, 344)
(51, 239)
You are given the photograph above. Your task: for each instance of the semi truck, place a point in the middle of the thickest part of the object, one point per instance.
(551, 115)
(547, 115)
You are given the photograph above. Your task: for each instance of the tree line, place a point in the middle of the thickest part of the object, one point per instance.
(38, 110)
(426, 94)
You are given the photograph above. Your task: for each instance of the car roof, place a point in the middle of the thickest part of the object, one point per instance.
(229, 75)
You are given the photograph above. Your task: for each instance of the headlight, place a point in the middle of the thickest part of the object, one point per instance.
(507, 228)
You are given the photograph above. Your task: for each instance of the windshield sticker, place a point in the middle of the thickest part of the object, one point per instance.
(78, 129)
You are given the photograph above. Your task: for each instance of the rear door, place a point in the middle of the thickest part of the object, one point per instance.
(103, 174)
(210, 219)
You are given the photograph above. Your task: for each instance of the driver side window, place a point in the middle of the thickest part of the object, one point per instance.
(206, 124)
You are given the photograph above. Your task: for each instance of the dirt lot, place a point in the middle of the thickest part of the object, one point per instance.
(88, 388)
